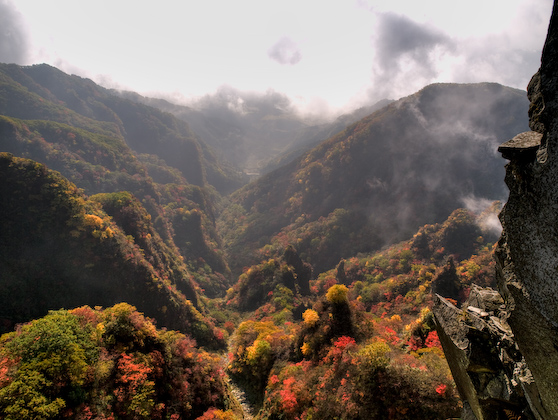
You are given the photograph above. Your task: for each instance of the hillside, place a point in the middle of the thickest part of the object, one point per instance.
(110, 203)
(112, 363)
(315, 134)
(256, 133)
(245, 129)
(41, 92)
(106, 144)
(410, 163)
(357, 341)
(59, 249)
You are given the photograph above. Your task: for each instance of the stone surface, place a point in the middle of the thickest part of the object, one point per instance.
(502, 347)
(527, 253)
(522, 146)
(483, 357)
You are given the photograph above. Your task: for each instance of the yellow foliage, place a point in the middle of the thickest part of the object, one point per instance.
(424, 312)
(310, 317)
(96, 224)
(93, 221)
(306, 349)
(337, 294)
(375, 355)
(260, 350)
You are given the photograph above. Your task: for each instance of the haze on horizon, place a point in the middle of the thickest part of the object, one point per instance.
(324, 56)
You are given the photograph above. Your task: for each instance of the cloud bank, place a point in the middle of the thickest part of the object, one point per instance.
(14, 42)
(323, 55)
(412, 53)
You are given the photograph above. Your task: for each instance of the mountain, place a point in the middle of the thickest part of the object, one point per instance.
(42, 92)
(315, 134)
(361, 342)
(109, 202)
(520, 334)
(247, 129)
(412, 162)
(105, 144)
(59, 249)
(254, 132)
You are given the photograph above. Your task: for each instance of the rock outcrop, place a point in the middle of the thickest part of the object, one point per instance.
(488, 368)
(527, 253)
(503, 349)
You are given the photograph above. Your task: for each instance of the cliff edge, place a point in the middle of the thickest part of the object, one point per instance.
(503, 349)
(527, 253)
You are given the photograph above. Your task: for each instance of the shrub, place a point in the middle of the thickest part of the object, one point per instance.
(337, 294)
(310, 317)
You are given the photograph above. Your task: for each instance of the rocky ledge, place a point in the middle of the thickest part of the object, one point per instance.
(502, 346)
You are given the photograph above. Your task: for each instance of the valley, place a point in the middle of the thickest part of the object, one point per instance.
(132, 229)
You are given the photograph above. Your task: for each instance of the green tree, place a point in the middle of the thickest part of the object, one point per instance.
(54, 354)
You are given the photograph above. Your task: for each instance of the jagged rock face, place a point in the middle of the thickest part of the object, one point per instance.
(527, 253)
(502, 347)
(484, 359)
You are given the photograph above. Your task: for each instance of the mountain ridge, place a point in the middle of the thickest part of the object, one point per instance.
(334, 325)
(394, 170)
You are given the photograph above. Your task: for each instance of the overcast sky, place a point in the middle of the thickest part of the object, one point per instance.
(324, 54)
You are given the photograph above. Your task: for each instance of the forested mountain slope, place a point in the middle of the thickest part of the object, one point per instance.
(357, 341)
(106, 144)
(410, 163)
(137, 211)
(41, 92)
(59, 249)
(255, 132)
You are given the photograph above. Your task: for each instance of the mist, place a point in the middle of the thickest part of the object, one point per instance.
(14, 39)
(327, 58)
(486, 212)
(406, 53)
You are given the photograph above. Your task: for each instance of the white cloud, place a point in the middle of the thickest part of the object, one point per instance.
(344, 51)
(285, 51)
(13, 35)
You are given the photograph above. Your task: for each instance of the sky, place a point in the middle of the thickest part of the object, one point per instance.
(325, 55)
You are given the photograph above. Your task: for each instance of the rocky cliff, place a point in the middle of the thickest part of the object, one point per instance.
(502, 346)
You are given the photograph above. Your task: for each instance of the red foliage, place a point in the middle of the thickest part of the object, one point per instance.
(87, 315)
(391, 336)
(229, 326)
(288, 398)
(5, 366)
(414, 343)
(132, 375)
(339, 348)
(343, 342)
(441, 389)
(433, 340)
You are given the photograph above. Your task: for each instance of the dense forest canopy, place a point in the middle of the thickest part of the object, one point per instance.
(143, 276)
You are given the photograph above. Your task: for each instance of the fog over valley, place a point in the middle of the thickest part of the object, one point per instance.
(324, 56)
(253, 210)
